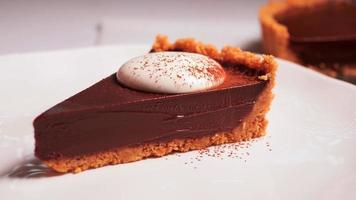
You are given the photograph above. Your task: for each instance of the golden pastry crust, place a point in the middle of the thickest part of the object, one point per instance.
(275, 35)
(253, 126)
(263, 63)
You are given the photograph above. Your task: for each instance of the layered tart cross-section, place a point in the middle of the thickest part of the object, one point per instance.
(320, 34)
(177, 97)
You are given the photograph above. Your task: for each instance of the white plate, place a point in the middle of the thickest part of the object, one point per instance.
(309, 152)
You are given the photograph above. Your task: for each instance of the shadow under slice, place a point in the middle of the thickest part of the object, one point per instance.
(32, 168)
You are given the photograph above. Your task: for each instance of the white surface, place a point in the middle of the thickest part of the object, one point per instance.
(39, 25)
(311, 134)
(171, 73)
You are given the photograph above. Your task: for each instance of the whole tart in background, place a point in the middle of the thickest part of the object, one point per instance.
(319, 34)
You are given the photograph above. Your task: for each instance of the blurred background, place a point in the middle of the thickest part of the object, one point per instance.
(42, 25)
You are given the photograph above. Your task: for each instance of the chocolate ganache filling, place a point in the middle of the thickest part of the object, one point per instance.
(110, 115)
(325, 33)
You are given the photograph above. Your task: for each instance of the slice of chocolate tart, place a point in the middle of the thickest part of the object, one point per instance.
(180, 97)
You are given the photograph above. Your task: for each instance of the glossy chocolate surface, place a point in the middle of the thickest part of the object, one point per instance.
(109, 115)
(325, 33)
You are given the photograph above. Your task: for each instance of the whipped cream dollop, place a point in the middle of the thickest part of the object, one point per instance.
(171, 73)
